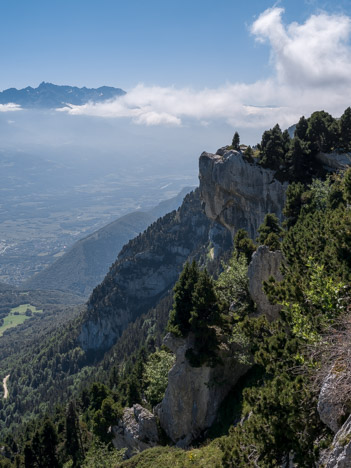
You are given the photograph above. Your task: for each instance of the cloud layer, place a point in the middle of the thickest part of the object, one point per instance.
(311, 70)
(9, 107)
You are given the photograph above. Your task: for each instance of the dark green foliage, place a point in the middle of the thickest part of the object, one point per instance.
(183, 300)
(293, 203)
(41, 452)
(345, 130)
(248, 154)
(295, 159)
(298, 159)
(236, 141)
(270, 232)
(74, 445)
(301, 128)
(347, 186)
(244, 244)
(322, 132)
(272, 148)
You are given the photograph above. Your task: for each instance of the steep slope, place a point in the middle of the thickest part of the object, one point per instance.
(86, 263)
(145, 270)
(50, 96)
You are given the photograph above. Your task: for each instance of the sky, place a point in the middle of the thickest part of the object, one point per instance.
(248, 64)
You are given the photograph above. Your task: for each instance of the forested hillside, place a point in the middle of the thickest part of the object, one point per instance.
(273, 416)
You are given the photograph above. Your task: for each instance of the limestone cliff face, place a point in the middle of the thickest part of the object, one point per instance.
(238, 194)
(193, 394)
(146, 268)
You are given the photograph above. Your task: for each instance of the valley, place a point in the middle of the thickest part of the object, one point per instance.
(48, 205)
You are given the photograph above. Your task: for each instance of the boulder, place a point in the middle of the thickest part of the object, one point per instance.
(136, 431)
(194, 394)
(339, 455)
(330, 406)
(264, 263)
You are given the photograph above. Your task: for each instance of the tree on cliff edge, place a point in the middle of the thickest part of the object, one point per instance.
(236, 141)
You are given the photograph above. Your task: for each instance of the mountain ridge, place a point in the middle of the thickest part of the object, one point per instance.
(50, 96)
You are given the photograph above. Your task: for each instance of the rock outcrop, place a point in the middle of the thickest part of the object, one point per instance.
(146, 269)
(194, 394)
(334, 161)
(264, 263)
(330, 406)
(239, 194)
(339, 455)
(136, 431)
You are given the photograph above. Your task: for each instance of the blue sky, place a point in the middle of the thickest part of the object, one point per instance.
(242, 65)
(197, 43)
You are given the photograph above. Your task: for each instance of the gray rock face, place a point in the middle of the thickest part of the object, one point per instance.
(136, 431)
(146, 269)
(334, 161)
(238, 194)
(264, 264)
(193, 394)
(340, 454)
(330, 408)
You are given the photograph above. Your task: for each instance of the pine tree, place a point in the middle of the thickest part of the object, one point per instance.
(301, 128)
(73, 443)
(183, 300)
(270, 232)
(243, 244)
(236, 141)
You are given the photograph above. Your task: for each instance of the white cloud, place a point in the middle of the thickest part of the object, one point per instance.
(9, 107)
(311, 70)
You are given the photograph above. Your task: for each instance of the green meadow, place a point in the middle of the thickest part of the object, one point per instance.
(18, 315)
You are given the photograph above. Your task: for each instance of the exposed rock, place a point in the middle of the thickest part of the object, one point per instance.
(193, 394)
(238, 194)
(264, 263)
(330, 409)
(136, 431)
(222, 150)
(146, 269)
(334, 161)
(340, 454)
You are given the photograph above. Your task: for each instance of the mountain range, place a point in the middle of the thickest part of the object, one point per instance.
(51, 96)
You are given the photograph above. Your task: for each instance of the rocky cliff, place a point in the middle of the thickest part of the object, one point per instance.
(237, 193)
(147, 267)
(194, 394)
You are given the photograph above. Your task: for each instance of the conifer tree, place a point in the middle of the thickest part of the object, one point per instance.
(243, 244)
(183, 300)
(73, 443)
(236, 141)
(301, 128)
(270, 232)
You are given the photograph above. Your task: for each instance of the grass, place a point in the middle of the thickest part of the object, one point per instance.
(17, 316)
(209, 456)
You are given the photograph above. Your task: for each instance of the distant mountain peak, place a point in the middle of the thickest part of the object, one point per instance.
(51, 96)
